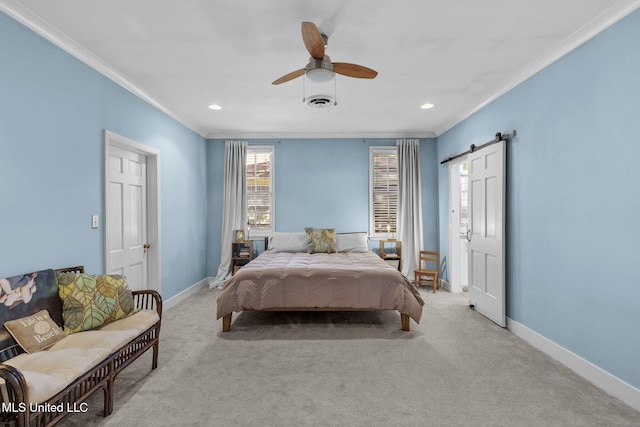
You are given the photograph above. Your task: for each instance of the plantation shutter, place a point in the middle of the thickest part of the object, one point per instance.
(384, 191)
(260, 189)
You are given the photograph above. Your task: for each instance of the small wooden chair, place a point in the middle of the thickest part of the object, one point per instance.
(428, 268)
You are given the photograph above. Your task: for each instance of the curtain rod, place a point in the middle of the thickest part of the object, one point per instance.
(499, 137)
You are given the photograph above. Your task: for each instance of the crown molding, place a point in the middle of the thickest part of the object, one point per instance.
(41, 27)
(585, 33)
(318, 135)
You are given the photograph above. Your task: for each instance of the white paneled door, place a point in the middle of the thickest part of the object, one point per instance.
(126, 237)
(487, 229)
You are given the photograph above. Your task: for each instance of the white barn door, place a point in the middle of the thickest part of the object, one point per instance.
(486, 246)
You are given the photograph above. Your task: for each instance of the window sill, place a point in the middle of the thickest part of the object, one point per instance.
(259, 234)
(390, 236)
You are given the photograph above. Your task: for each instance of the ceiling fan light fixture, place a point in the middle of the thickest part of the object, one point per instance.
(320, 101)
(318, 96)
(319, 75)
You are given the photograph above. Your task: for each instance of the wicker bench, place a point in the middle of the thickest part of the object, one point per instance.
(16, 407)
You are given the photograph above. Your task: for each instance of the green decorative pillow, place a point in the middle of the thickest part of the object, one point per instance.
(36, 332)
(321, 240)
(89, 302)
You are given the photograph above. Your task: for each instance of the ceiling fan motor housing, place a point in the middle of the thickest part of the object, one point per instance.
(319, 70)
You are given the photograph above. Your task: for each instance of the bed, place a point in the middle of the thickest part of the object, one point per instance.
(288, 278)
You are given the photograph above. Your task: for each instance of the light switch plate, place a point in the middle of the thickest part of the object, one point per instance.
(95, 222)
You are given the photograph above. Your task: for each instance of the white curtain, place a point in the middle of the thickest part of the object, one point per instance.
(234, 212)
(409, 204)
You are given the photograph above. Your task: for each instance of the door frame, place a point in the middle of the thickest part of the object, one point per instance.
(111, 139)
(454, 256)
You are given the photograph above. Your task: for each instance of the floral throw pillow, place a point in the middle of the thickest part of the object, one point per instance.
(321, 240)
(89, 302)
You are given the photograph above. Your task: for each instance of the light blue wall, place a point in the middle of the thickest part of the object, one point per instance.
(573, 199)
(429, 186)
(321, 183)
(215, 178)
(53, 109)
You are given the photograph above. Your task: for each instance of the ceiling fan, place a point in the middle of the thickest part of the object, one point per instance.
(320, 68)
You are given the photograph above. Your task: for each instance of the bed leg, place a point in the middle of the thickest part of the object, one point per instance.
(406, 325)
(226, 323)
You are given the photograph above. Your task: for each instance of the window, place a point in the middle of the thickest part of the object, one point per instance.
(260, 190)
(383, 191)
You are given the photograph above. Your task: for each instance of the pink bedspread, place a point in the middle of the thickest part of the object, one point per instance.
(281, 280)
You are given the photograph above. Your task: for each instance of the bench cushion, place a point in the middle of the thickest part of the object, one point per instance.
(49, 371)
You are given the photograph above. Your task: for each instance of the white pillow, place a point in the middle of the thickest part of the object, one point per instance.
(352, 242)
(288, 242)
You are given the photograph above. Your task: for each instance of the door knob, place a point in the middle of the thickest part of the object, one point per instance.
(146, 246)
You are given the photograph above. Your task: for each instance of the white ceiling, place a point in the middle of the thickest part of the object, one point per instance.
(183, 55)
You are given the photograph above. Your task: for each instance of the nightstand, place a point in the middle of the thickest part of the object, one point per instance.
(241, 254)
(391, 252)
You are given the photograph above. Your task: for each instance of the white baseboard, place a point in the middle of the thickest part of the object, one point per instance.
(443, 284)
(598, 376)
(168, 304)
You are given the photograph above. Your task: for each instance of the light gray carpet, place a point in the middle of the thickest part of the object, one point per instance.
(349, 369)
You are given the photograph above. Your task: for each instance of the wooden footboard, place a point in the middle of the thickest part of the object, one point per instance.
(404, 318)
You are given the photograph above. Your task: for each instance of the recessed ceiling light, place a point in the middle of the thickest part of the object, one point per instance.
(215, 107)
(426, 106)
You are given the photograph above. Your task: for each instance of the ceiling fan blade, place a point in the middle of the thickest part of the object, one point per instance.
(289, 76)
(353, 70)
(313, 40)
